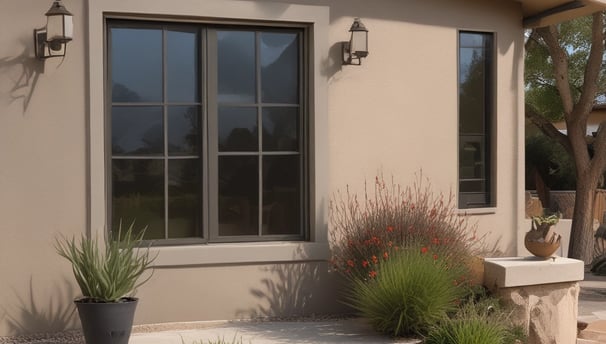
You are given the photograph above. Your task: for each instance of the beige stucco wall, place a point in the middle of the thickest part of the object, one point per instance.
(395, 114)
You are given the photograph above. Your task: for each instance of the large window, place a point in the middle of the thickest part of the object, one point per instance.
(208, 130)
(476, 80)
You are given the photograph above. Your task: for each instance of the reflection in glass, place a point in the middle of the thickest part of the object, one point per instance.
(236, 70)
(279, 67)
(136, 60)
(280, 129)
(471, 157)
(138, 195)
(182, 64)
(238, 130)
(137, 130)
(183, 129)
(281, 195)
(238, 195)
(472, 98)
(184, 207)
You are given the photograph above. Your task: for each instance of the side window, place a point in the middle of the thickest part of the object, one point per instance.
(207, 131)
(476, 83)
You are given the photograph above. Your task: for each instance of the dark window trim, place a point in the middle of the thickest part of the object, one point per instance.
(489, 130)
(129, 21)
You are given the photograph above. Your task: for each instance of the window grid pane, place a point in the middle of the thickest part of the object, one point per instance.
(260, 162)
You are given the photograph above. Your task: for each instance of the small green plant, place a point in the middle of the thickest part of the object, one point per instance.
(111, 273)
(543, 220)
(219, 340)
(410, 292)
(480, 321)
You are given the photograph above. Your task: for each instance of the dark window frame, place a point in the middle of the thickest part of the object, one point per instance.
(483, 140)
(209, 154)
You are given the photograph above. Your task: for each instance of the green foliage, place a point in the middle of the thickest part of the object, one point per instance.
(541, 92)
(480, 321)
(219, 340)
(391, 218)
(551, 161)
(110, 273)
(411, 291)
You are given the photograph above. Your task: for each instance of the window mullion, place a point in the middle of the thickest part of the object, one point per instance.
(259, 127)
(165, 128)
(204, 137)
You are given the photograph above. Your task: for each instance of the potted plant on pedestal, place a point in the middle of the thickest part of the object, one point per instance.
(108, 276)
(542, 240)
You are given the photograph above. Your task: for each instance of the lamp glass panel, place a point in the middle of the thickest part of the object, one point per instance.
(68, 23)
(54, 28)
(359, 41)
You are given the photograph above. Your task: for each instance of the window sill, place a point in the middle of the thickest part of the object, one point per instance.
(477, 211)
(240, 253)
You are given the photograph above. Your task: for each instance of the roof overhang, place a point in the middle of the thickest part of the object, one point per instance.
(539, 13)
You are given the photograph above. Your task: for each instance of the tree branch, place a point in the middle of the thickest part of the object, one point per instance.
(592, 69)
(549, 34)
(547, 128)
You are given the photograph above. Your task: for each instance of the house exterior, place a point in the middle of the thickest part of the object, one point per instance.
(154, 115)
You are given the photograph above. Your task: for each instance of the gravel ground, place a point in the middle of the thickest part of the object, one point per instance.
(76, 337)
(68, 337)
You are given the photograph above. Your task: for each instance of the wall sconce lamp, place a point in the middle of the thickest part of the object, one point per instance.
(357, 47)
(51, 40)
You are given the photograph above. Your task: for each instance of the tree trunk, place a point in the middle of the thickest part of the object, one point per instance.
(581, 233)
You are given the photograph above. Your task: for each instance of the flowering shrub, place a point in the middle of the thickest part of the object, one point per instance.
(391, 218)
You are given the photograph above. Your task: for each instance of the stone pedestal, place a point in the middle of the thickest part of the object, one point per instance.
(544, 294)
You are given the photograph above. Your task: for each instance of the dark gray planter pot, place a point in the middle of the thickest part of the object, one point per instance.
(107, 323)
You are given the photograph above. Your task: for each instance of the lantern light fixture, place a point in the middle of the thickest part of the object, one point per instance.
(357, 47)
(51, 40)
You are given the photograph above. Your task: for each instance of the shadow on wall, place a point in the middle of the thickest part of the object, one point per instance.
(296, 289)
(23, 72)
(55, 315)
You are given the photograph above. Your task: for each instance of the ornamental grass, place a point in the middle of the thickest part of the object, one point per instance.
(111, 272)
(411, 291)
(477, 322)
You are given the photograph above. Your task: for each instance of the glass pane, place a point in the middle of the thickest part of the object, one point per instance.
(471, 39)
(473, 200)
(182, 66)
(236, 72)
(238, 129)
(281, 195)
(138, 195)
(472, 88)
(136, 65)
(137, 130)
(238, 195)
(280, 67)
(472, 185)
(183, 130)
(471, 157)
(184, 206)
(280, 129)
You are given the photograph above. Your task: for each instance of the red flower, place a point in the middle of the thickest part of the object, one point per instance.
(435, 257)
(372, 274)
(390, 244)
(364, 263)
(350, 263)
(435, 241)
(424, 250)
(374, 259)
(389, 229)
(385, 255)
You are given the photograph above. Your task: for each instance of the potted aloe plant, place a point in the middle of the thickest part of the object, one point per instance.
(108, 276)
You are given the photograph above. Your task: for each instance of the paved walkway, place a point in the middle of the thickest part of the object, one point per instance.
(302, 332)
(592, 309)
